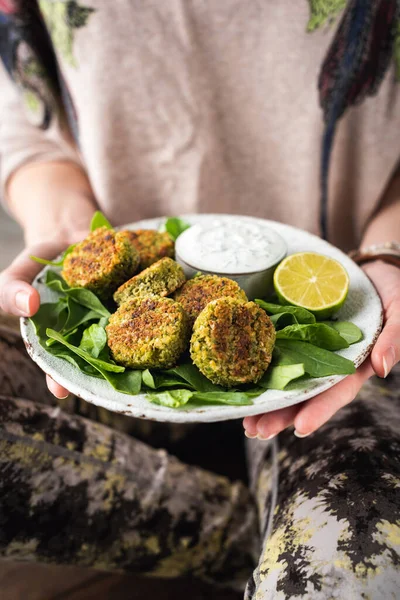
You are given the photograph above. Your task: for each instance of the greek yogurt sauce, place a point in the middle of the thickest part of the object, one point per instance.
(230, 246)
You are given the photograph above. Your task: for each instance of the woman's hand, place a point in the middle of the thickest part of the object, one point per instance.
(54, 204)
(18, 297)
(310, 415)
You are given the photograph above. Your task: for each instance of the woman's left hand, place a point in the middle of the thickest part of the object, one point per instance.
(310, 415)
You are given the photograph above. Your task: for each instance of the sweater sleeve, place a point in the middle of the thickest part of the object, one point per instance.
(22, 141)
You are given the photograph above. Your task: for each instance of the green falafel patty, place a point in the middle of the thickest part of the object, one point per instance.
(232, 342)
(148, 333)
(101, 262)
(160, 279)
(196, 293)
(151, 245)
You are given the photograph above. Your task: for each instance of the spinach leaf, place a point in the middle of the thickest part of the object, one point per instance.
(129, 382)
(74, 316)
(350, 332)
(121, 379)
(50, 314)
(232, 398)
(171, 398)
(283, 319)
(174, 226)
(103, 322)
(99, 220)
(277, 378)
(60, 351)
(191, 374)
(77, 315)
(53, 263)
(302, 315)
(317, 334)
(317, 361)
(98, 364)
(179, 398)
(82, 296)
(148, 379)
(94, 338)
(158, 379)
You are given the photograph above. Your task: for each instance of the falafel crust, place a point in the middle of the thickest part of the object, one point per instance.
(151, 245)
(232, 342)
(101, 262)
(160, 279)
(196, 293)
(148, 333)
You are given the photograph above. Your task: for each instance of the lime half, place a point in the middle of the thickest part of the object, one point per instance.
(313, 281)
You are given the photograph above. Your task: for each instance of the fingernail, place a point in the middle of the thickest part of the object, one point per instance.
(388, 361)
(62, 397)
(22, 302)
(250, 435)
(265, 439)
(301, 435)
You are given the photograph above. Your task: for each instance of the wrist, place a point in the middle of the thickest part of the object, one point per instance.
(66, 225)
(51, 201)
(378, 268)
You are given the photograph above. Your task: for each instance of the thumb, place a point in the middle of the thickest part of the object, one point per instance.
(17, 296)
(386, 352)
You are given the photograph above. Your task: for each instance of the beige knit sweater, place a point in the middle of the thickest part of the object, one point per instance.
(207, 106)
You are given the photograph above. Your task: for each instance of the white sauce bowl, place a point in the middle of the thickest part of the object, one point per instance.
(233, 247)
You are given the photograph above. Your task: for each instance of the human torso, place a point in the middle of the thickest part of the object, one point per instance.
(208, 106)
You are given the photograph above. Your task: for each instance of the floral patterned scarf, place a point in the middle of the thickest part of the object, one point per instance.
(366, 39)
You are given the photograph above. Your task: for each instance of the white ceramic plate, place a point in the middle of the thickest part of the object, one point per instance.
(362, 307)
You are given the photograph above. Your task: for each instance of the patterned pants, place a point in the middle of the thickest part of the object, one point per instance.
(320, 518)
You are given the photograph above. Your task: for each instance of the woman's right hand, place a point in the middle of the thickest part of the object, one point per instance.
(18, 297)
(54, 204)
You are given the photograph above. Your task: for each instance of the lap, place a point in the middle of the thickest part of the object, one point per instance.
(73, 491)
(329, 504)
